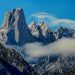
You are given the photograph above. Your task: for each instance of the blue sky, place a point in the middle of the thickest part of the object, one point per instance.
(58, 8)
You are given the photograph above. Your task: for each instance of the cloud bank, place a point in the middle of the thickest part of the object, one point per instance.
(64, 46)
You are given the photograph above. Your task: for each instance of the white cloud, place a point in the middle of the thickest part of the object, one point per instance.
(64, 46)
(53, 21)
(43, 15)
(64, 20)
(64, 23)
(40, 15)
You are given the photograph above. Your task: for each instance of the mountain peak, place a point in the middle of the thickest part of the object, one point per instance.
(45, 28)
(32, 25)
(42, 23)
(19, 8)
(14, 17)
(34, 29)
(17, 29)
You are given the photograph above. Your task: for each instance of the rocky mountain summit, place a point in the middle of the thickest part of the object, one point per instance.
(15, 30)
(42, 33)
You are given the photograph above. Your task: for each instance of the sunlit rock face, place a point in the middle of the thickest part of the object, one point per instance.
(41, 32)
(17, 29)
(34, 29)
(47, 32)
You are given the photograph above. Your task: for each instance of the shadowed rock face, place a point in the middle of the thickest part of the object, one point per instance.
(17, 29)
(14, 63)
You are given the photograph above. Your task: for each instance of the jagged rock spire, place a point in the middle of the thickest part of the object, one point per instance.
(45, 29)
(18, 31)
(34, 29)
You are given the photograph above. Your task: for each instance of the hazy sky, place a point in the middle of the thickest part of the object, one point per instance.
(57, 8)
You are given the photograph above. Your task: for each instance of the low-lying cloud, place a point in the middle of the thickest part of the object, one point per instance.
(64, 46)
